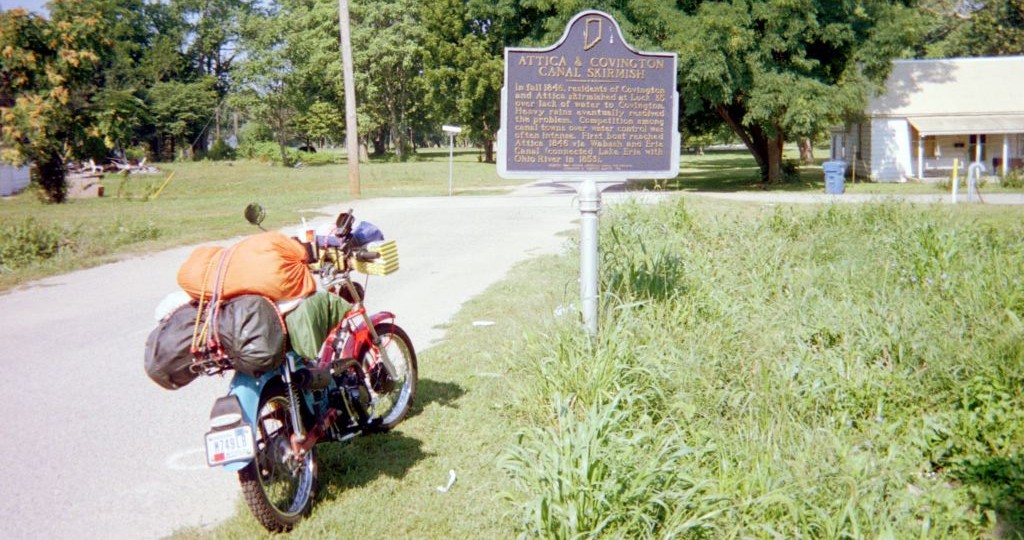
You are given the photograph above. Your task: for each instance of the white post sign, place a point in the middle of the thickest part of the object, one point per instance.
(589, 109)
(452, 131)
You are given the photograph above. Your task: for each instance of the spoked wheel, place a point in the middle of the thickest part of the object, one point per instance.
(394, 392)
(278, 488)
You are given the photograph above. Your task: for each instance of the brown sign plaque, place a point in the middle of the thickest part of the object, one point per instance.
(589, 105)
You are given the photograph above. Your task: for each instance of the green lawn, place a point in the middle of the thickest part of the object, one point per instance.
(204, 201)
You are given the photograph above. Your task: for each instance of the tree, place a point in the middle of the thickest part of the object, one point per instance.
(466, 41)
(388, 51)
(265, 84)
(181, 111)
(321, 123)
(990, 28)
(118, 114)
(50, 70)
(778, 71)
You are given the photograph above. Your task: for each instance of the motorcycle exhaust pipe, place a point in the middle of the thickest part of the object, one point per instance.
(312, 379)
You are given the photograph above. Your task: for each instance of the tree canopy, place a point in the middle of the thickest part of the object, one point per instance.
(129, 76)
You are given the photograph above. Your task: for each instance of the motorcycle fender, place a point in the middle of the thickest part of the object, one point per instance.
(247, 389)
(362, 336)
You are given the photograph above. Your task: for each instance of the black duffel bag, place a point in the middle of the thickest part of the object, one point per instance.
(249, 331)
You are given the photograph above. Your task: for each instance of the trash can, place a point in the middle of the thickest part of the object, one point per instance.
(835, 172)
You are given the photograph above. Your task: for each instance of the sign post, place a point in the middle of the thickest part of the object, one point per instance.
(451, 131)
(589, 109)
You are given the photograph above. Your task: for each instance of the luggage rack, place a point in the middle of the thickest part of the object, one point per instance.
(386, 262)
(209, 364)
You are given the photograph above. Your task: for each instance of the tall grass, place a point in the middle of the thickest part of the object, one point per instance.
(841, 372)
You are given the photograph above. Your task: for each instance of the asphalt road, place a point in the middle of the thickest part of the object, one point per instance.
(93, 449)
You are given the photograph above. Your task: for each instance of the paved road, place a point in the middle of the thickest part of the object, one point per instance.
(93, 449)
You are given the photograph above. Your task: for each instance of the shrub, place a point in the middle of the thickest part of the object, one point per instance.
(29, 242)
(1013, 179)
(220, 151)
(255, 132)
(790, 171)
(268, 152)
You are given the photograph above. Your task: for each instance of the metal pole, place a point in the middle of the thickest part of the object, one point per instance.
(956, 178)
(973, 174)
(590, 205)
(451, 161)
(351, 131)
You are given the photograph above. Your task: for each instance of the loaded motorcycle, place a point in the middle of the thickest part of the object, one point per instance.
(364, 379)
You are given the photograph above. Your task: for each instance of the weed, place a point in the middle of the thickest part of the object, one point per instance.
(830, 372)
(28, 242)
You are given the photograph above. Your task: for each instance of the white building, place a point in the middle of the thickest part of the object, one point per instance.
(933, 112)
(12, 179)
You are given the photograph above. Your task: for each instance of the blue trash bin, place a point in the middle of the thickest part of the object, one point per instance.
(835, 173)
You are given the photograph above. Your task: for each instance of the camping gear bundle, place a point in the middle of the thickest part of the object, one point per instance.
(232, 320)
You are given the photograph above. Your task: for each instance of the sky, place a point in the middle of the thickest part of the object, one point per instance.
(31, 5)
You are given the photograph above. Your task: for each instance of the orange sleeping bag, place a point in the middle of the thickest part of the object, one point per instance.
(268, 264)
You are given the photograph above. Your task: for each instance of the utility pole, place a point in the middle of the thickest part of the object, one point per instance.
(351, 130)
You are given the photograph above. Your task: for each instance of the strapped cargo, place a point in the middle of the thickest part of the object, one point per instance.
(245, 333)
(233, 322)
(268, 264)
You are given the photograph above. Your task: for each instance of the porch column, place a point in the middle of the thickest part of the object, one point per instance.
(977, 148)
(1006, 154)
(920, 156)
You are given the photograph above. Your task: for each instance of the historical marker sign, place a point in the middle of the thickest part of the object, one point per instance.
(589, 105)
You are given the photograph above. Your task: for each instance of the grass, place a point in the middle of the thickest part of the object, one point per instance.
(735, 171)
(204, 201)
(838, 372)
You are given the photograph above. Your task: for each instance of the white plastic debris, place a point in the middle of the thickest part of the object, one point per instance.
(483, 323)
(451, 482)
(170, 303)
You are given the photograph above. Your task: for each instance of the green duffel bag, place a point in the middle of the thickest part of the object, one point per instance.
(312, 320)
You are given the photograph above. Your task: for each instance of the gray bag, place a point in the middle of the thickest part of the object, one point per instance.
(250, 333)
(168, 349)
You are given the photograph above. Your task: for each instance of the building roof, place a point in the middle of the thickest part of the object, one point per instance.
(951, 88)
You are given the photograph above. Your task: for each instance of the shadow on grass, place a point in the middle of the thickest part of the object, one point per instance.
(998, 483)
(434, 392)
(426, 154)
(364, 459)
(392, 454)
(727, 171)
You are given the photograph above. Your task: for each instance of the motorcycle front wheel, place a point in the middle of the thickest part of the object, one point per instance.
(278, 488)
(394, 393)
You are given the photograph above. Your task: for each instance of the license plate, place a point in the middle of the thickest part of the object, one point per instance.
(230, 445)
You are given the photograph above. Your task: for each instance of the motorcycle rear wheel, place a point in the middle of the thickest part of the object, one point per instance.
(394, 394)
(278, 489)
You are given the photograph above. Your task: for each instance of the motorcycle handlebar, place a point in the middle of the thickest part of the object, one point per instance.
(365, 255)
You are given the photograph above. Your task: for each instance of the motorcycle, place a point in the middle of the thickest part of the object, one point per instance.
(267, 427)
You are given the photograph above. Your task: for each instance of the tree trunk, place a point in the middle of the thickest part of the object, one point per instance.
(753, 137)
(379, 145)
(775, 160)
(488, 151)
(806, 151)
(284, 151)
(50, 176)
